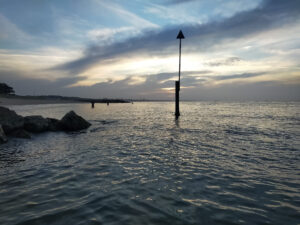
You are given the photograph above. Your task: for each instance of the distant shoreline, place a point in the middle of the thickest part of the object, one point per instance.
(38, 100)
(22, 101)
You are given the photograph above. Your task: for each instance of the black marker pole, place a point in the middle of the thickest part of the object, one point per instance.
(177, 83)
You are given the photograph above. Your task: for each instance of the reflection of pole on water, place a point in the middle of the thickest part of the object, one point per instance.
(177, 83)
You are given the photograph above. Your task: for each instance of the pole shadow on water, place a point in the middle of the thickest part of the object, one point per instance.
(177, 122)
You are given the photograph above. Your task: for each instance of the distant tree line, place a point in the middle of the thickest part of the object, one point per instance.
(5, 89)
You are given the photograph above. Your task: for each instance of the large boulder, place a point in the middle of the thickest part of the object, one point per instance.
(21, 133)
(53, 124)
(10, 120)
(35, 124)
(72, 122)
(3, 137)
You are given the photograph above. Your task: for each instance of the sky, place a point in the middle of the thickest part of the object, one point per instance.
(233, 49)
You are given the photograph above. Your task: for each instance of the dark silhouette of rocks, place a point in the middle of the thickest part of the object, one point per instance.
(36, 124)
(3, 137)
(17, 126)
(21, 133)
(72, 122)
(53, 124)
(10, 120)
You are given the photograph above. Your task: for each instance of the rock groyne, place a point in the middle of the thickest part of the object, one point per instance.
(14, 125)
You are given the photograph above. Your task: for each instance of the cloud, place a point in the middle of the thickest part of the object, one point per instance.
(61, 23)
(22, 84)
(237, 76)
(8, 30)
(269, 15)
(110, 35)
(159, 87)
(257, 91)
(171, 2)
(259, 46)
(127, 16)
(225, 62)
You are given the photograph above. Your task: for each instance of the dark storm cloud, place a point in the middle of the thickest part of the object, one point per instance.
(270, 14)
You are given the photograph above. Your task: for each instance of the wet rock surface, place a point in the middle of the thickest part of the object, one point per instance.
(10, 120)
(72, 122)
(21, 133)
(35, 124)
(3, 137)
(53, 124)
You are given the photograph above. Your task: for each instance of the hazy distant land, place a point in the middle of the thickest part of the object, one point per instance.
(51, 99)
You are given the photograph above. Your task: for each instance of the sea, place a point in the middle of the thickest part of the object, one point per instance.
(219, 163)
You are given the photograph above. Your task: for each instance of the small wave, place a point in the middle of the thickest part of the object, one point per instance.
(104, 122)
(96, 129)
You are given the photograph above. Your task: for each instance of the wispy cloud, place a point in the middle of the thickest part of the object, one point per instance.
(108, 36)
(9, 29)
(126, 15)
(178, 1)
(226, 62)
(236, 76)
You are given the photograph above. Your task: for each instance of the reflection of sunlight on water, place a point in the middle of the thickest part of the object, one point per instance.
(219, 162)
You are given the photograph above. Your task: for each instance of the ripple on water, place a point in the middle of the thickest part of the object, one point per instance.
(221, 163)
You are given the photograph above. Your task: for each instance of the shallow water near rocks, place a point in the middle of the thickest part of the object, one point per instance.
(221, 163)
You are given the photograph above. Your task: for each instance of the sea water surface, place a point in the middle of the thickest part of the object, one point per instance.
(220, 163)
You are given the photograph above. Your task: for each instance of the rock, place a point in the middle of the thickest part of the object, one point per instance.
(21, 133)
(3, 137)
(12, 124)
(53, 124)
(72, 122)
(10, 120)
(35, 124)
